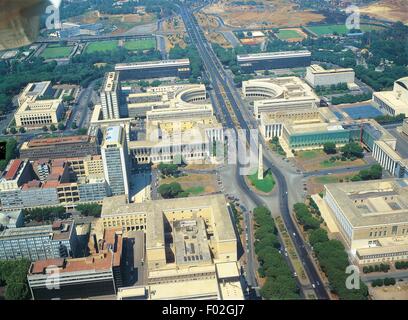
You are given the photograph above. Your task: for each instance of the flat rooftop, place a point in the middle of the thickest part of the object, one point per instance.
(273, 55)
(37, 143)
(155, 209)
(370, 203)
(391, 99)
(316, 69)
(151, 64)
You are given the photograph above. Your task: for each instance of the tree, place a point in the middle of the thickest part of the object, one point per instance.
(13, 130)
(22, 130)
(61, 126)
(329, 148)
(93, 209)
(352, 149)
(168, 169)
(172, 190)
(318, 236)
(74, 125)
(53, 127)
(44, 128)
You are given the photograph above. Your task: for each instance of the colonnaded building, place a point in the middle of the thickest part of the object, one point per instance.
(370, 216)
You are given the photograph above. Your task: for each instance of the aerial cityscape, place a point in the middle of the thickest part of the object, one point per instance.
(204, 150)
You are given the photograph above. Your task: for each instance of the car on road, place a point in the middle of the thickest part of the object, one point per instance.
(314, 286)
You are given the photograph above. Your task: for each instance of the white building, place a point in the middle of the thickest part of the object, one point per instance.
(115, 157)
(393, 102)
(110, 97)
(318, 76)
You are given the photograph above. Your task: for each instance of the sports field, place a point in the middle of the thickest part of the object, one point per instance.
(56, 52)
(288, 34)
(142, 44)
(323, 30)
(101, 46)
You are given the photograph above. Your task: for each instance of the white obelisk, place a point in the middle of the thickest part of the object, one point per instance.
(260, 163)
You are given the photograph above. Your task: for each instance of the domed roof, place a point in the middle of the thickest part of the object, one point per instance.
(403, 82)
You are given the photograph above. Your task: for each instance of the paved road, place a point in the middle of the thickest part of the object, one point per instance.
(223, 86)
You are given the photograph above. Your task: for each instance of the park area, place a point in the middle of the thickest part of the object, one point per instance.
(196, 184)
(264, 185)
(340, 29)
(312, 160)
(140, 44)
(101, 46)
(56, 51)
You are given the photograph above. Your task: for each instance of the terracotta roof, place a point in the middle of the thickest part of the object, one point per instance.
(13, 169)
(60, 140)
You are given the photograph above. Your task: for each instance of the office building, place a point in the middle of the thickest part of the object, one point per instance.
(115, 157)
(370, 216)
(99, 274)
(35, 113)
(38, 243)
(154, 69)
(34, 90)
(250, 63)
(60, 147)
(164, 97)
(191, 242)
(112, 107)
(393, 102)
(318, 76)
(279, 94)
(11, 219)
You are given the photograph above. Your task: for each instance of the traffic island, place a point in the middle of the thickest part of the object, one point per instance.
(264, 185)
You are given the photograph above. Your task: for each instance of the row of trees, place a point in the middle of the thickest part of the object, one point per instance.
(305, 217)
(385, 119)
(11, 152)
(401, 265)
(90, 209)
(373, 173)
(45, 214)
(324, 90)
(351, 98)
(192, 54)
(168, 169)
(352, 150)
(280, 283)
(13, 275)
(383, 282)
(333, 260)
(377, 268)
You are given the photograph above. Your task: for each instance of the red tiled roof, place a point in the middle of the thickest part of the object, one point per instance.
(11, 173)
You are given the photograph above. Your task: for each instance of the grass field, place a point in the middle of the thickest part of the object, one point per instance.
(142, 44)
(323, 30)
(196, 190)
(56, 52)
(288, 34)
(101, 46)
(309, 154)
(265, 185)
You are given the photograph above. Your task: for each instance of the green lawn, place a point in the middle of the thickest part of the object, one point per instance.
(265, 185)
(338, 28)
(101, 46)
(327, 179)
(56, 52)
(195, 190)
(143, 44)
(288, 34)
(309, 154)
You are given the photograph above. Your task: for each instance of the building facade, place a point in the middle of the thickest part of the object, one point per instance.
(250, 63)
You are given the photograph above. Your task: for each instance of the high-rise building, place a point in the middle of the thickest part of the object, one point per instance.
(110, 97)
(115, 157)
